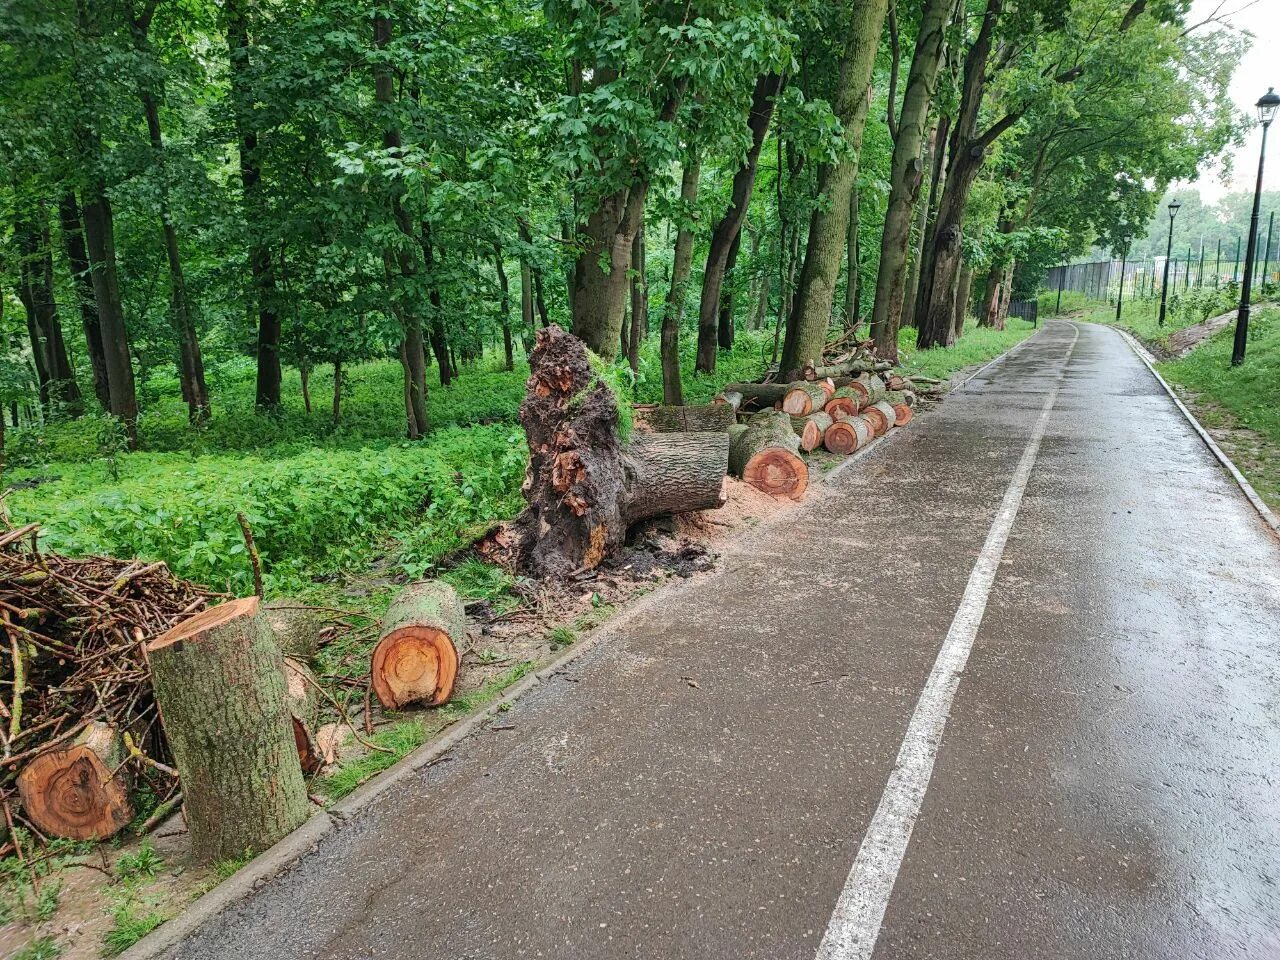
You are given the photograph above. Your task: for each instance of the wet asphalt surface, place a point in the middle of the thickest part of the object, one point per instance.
(697, 784)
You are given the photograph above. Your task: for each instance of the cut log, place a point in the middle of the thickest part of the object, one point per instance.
(69, 792)
(811, 428)
(765, 454)
(866, 365)
(416, 659)
(842, 437)
(880, 421)
(903, 414)
(709, 418)
(219, 680)
(803, 398)
(296, 627)
(862, 426)
(758, 395)
(731, 398)
(300, 691)
(845, 402)
(889, 415)
(584, 487)
(895, 397)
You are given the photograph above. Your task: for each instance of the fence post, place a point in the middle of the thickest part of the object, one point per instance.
(1266, 263)
(1217, 266)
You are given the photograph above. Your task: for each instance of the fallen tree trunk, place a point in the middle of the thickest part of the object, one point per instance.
(219, 680)
(811, 428)
(758, 395)
(585, 486)
(845, 369)
(765, 454)
(416, 659)
(71, 792)
(708, 418)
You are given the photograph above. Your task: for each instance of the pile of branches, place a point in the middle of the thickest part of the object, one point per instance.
(73, 660)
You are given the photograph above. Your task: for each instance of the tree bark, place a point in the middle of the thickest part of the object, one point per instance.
(416, 659)
(219, 681)
(82, 279)
(907, 173)
(705, 418)
(682, 264)
(261, 271)
(924, 215)
(811, 312)
(962, 300)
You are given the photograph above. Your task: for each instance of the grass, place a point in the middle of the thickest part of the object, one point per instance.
(44, 948)
(132, 919)
(976, 345)
(1247, 396)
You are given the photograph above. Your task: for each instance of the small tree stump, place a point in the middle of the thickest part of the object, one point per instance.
(416, 659)
(219, 679)
(69, 792)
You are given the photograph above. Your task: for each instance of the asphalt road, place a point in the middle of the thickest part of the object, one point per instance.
(1009, 686)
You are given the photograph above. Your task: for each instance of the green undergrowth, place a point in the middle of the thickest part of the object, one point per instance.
(976, 345)
(1247, 396)
(1185, 308)
(402, 737)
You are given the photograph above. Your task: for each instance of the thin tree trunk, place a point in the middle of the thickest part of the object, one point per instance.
(82, 280)
(724, 318)
(725, 236)
(190, 363)
(439, 341)
(828, 227)
(401, 258)
(682, 264)
(304, 373)
(639, 298)
(504, 310)
(907, 173)
(925, 211)
(851, 290)
(260, 266)
(337, 391)
(962, 301)
(526, 295)
(99, 233)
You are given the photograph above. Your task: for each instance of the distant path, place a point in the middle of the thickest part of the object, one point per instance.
(1181, 341)
(1008, 687)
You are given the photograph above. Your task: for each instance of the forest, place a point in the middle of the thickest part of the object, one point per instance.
(298, 186)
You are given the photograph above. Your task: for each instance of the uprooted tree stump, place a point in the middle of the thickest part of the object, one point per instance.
(219, 679)
(585, 484)
(75, 792)
(416, 659)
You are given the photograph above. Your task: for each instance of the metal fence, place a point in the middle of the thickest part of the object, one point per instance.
(1103, 279)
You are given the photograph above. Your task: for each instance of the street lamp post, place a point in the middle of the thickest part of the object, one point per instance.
(1164, 284)
(1267, 106)
(1124, 254)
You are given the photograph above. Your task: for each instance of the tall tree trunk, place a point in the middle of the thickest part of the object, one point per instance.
(991, 296)
(725, 236)
(811, 312)
(681, 266)
(401, 260)
(439, 341)
(99, 234)
(504, 309)
(267, 396)
(851, 290)
(600, 288)
(724, 318)
(82, 280)
(190, 363)
(925, 215)
(907, 174)
(58, 388)
(639, 298)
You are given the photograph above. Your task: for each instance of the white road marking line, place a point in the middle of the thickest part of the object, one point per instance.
(855, 923)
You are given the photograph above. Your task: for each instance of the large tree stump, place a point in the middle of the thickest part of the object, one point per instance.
(585, 486)
(765, 454)
(416, 659)
(219, 679)
(707, 418)
(70, 792)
